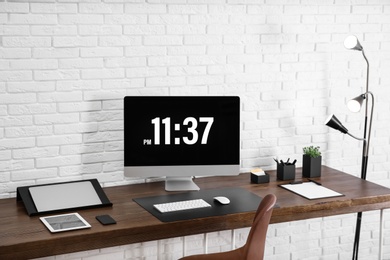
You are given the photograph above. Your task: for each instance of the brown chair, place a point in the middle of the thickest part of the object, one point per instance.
(255, 243)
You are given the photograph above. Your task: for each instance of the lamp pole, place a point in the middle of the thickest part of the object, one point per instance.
(352, 43)
(334, 123)
(366, 144)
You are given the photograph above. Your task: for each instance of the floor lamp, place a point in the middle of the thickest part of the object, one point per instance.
(352, 43)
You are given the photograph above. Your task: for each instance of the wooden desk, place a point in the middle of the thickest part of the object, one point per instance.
(24, 237)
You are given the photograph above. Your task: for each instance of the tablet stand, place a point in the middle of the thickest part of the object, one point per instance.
(57, 197)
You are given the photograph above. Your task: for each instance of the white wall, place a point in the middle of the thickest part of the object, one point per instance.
(66, 65)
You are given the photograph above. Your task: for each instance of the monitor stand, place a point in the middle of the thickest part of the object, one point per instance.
(180, 184)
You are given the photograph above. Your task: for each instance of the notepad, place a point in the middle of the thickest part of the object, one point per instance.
(311, 190)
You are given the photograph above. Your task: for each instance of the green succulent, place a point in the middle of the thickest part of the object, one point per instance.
(312, 151)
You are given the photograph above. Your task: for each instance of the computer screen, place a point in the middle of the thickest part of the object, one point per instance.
(180, 136)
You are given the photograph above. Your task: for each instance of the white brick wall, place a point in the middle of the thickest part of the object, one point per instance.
(65, 66)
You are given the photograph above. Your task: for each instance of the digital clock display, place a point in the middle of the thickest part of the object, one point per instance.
(190, 123)
(181, 130)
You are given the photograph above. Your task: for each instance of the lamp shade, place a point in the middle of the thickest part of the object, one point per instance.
(334, 123)
(352, 43)
(355, 104)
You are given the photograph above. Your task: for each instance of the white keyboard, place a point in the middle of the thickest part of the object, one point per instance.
(181, 205)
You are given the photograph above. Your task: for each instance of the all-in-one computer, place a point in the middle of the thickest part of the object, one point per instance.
(179, 137)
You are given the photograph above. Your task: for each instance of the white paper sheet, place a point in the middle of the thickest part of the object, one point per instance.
(311, 190)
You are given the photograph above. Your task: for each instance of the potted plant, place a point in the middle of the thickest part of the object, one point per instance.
(311, 166)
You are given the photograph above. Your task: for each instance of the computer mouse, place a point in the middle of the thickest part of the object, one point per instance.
(222, 200)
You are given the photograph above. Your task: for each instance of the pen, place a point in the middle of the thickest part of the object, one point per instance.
(281, 162)
(296, 182)
(294, 162)
(315, 182)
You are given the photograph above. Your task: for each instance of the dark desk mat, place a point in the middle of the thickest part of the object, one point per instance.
(241, 200)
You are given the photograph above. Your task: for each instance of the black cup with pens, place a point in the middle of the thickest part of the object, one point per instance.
(285, 170)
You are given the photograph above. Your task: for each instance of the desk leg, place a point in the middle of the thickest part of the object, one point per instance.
(184, 246)
(381, 236)
(233, 239)
(205, 242)
(159, 250)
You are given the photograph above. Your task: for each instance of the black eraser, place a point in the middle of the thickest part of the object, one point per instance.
(106, 219)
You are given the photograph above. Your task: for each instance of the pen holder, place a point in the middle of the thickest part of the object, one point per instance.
(285, 172)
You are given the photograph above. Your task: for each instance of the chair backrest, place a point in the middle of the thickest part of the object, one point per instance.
(255, 244)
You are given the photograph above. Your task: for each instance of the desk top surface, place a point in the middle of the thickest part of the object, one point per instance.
(25, 237)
